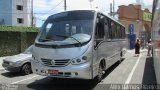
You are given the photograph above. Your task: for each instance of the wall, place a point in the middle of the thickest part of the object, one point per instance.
(133, 14)
(12, 43)
(137, 26)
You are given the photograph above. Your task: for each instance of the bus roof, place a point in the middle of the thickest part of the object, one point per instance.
(111, 18)
(96, 11)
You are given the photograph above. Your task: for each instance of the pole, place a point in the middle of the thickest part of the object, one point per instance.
(139, 24)
(90, 1)
(113, 9)
(90, 5)
(32, 13)
(65, 6)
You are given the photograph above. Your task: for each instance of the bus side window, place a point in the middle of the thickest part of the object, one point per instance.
(99, 33)
(106, 28)
(119, 31)
(113, 29)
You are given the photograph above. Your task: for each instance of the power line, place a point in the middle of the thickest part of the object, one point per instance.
(52, 8)
(39, 18)
(19, 12)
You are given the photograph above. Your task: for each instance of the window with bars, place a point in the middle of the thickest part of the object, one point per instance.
(20, 20)
(20, 7)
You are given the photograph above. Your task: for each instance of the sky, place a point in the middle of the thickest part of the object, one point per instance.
(44, 8)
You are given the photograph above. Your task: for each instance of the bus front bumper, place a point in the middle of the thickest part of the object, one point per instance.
(82, 71)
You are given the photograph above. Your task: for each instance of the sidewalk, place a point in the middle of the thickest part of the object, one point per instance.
(133, 70)
(142, 52)
(133, 50)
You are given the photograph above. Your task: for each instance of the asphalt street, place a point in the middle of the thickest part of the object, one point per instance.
(130, 71)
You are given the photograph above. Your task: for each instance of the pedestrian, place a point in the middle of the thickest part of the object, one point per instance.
(149, 46)
(137, 47)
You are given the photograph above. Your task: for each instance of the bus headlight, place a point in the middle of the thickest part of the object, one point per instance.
(80, 61)
(84, 57)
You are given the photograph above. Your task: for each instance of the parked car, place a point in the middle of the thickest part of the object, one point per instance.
(20, 62)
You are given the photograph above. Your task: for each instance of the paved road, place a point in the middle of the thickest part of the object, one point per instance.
(132, 70)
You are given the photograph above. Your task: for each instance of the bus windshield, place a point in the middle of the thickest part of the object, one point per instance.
(67, 28)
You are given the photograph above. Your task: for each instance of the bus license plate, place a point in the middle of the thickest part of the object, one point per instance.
(53, 72)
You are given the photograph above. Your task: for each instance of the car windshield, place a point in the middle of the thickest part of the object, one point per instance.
(67, 28)
(28, 50)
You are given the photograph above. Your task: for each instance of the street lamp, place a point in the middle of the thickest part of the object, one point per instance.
(138, 27)
(138, 22)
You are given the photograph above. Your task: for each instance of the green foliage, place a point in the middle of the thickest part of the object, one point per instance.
(18, 29)
(12, 42)
(16, 39)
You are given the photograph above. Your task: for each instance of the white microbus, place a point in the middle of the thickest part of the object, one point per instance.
(79, 44)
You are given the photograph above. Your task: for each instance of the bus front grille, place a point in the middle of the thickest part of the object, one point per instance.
(54, 63)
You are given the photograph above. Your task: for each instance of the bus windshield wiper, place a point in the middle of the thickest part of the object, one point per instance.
(76, 40)
(53, 46)
(44, 40)
(61, 36)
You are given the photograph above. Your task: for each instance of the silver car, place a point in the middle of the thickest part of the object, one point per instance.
(19, 63)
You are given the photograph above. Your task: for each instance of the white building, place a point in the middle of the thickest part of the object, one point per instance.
(16, 12)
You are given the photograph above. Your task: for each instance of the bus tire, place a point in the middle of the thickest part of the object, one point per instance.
(121, 57)
(121, 54)
(99, 77)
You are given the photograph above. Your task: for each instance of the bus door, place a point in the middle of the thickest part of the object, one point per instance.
(99, 44)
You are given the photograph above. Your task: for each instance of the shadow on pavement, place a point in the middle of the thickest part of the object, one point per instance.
(149, 77)
(62, 84)
(109, 70)
(11, 74)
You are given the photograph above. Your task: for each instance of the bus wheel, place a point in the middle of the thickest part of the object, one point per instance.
(121, 54)
(121, 57)
(100, 74)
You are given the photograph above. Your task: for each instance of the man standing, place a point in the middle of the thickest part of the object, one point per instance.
(137, 47)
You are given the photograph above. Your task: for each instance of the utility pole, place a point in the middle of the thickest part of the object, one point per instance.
(90, 5)
(90, 1)
(65, 6)
(32, 13)
(113, 9)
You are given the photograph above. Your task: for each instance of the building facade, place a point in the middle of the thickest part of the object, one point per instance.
(141, 19)
(16, 12)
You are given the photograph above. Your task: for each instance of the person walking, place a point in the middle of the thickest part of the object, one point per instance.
(149, 45)
(137, 48)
